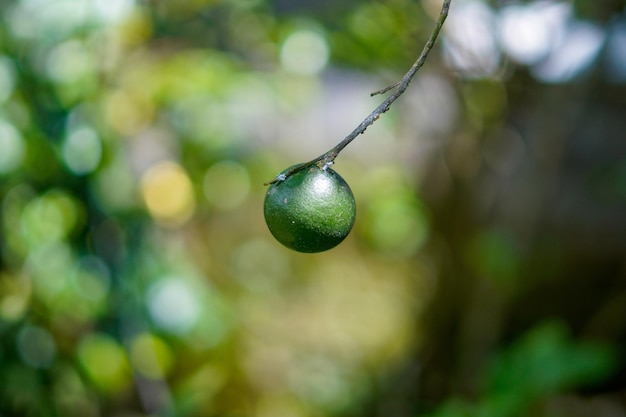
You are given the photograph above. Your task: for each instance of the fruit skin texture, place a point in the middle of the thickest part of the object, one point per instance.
(313, 210)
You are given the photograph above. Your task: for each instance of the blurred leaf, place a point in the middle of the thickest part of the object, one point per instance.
(546, 360)
(543, 362)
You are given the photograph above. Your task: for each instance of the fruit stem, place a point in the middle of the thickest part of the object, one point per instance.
(326, 159)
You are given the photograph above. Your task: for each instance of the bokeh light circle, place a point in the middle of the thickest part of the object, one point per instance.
(168, 193)
(304, 52)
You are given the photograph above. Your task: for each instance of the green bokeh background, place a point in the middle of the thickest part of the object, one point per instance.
(485, 274)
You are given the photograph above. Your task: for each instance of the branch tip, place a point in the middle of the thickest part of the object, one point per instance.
(398, 88)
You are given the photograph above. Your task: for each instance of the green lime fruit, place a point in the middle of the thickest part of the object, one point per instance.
(310, 211)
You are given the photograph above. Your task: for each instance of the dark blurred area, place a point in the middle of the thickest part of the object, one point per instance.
(486, 272)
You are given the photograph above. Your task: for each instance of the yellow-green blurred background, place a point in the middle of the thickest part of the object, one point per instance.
(486, 272)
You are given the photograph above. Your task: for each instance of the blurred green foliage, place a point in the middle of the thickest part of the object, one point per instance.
(543, 363)
(137, 276)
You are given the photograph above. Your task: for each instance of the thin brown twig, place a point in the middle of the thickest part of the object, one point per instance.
(384, 90)
(398, 89)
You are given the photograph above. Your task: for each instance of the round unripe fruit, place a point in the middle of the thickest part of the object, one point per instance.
(312, 210)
